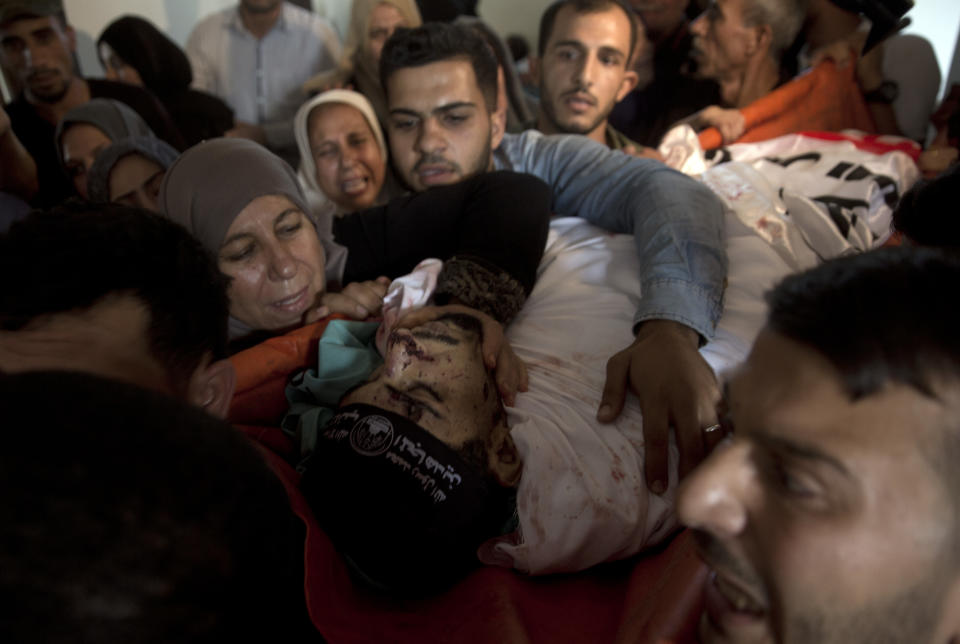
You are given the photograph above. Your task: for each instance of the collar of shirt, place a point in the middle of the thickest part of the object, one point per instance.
(235, 22)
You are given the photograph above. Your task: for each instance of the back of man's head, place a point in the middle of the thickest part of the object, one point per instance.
(883, 317)
(74, 256)
(886, 318)
(435, 42)
(926, 214)
(11, 10)
(785, 18)
(130, 516)
(581, 7)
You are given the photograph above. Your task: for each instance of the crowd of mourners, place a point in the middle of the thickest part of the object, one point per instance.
(161, 225)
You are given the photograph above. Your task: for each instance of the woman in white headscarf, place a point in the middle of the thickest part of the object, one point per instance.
(343, 154)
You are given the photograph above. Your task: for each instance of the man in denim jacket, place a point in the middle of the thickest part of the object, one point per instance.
(446, 123)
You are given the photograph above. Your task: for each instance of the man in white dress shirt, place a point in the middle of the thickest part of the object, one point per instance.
(255, 56)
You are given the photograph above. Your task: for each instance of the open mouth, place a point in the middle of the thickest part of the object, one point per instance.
(354, 186)
(729, 608)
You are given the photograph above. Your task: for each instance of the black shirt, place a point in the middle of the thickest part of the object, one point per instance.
(645, 114)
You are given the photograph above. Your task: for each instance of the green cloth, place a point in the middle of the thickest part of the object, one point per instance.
(346, 356)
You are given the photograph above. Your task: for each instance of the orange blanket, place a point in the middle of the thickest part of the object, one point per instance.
(826, 98)
(654, 597)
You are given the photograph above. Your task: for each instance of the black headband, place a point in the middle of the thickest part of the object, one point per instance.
(404, 509)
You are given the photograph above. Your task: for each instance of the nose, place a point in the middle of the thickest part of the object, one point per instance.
(584, 72)
(283, 265)
(698, 26)
(713, 497)
(431, 139)
(348, 157)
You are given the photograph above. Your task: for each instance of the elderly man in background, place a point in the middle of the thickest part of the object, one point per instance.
(741, 44)
(255, 56)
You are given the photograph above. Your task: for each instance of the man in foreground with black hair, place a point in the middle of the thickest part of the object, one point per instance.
(130, 516)
(832, 514)
(118, 292)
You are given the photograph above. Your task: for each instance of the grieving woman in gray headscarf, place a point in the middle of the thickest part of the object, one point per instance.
(246, 207)
(89, 128)
(130, 172)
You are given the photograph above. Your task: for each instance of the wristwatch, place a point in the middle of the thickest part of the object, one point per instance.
(887, 92)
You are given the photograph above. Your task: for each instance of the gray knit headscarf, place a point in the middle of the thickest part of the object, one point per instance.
(207, 187)
(115, 119)
(98, 177)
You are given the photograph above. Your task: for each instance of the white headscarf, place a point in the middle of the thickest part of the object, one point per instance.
(307, 174)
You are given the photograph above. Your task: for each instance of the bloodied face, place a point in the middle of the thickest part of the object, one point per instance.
(434, 375)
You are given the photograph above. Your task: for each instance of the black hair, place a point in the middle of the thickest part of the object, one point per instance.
(131, 516)
(519, 49)
(74, 255)
(581, 7)
(434, 42)
(886, 316)
(926, 214)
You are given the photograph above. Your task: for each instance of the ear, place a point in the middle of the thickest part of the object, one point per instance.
(761, 38)
(503, 457)
(498, 120)
(630, 80)
(71, 37)
(212, 386)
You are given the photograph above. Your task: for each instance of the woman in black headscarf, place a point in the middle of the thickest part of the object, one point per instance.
(134, 51)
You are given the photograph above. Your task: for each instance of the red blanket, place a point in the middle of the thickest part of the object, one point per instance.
(654, 597)
(826, 98)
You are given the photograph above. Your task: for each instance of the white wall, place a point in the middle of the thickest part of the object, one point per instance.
(514, 17)
(939, 22)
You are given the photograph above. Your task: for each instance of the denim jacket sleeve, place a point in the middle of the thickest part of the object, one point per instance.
(677, 223)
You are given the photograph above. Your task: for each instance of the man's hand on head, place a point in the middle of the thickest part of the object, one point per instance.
(510, 372)
(675, 386)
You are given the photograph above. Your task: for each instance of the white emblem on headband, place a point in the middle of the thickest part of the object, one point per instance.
(372, 436)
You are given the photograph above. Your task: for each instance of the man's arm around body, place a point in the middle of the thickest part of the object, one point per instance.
(678, 227)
